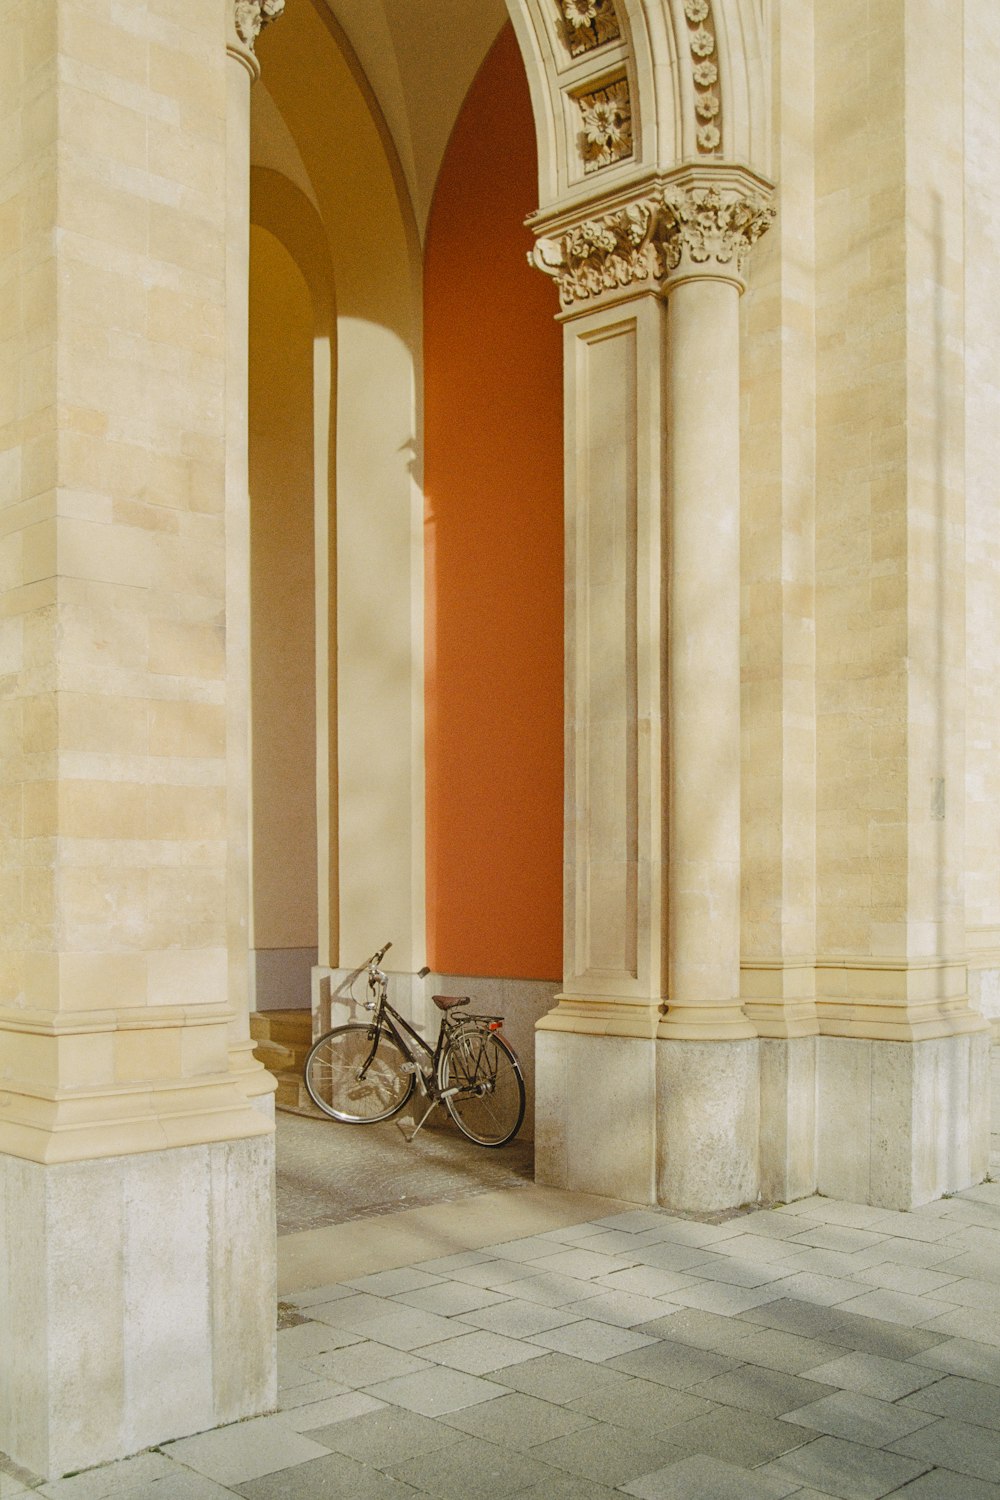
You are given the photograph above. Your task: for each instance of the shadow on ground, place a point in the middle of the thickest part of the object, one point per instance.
(329, 1173)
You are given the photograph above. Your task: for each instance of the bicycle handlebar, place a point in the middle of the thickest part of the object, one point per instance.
(377, 958)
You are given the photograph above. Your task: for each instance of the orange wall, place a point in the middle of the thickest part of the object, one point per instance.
(494, 550)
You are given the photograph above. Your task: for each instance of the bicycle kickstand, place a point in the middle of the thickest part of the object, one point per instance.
(402, 1128)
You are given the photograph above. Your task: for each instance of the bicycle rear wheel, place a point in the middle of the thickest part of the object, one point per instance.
(488, 1102)
(348, 1083)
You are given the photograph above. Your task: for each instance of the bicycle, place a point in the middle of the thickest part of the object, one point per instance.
(362, 1073)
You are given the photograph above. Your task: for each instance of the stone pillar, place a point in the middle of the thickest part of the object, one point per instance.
(633, 1101)
(136, 1178)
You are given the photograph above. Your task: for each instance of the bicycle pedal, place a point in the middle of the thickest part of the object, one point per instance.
(410, 1067)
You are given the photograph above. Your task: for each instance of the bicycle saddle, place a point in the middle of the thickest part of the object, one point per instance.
(445, 1002)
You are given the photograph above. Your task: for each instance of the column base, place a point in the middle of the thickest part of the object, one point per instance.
(901, 1123)
(137, 1299)
(708, 1124)
(787, 1118)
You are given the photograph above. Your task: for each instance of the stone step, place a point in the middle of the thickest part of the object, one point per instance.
(283, 1039)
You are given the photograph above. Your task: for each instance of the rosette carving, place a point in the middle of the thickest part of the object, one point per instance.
(253, 15)
(606, 117)
(586, 24)
(705, 226)
(600, 255)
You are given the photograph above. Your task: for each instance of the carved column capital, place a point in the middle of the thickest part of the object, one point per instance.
(693, 223)
(707, 222)
(247, 18)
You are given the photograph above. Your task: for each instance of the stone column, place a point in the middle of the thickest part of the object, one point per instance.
(136, 1179)
(633, 1101)
(245, 19)
(707, 1065)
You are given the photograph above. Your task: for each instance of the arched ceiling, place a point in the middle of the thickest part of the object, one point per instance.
(419, 58)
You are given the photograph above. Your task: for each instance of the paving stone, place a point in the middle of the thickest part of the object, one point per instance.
(518, 1421)
(183, 1484)
(745, 1273)
(334, 1409)
(888, 1379)
(110, 1479)
(557, 1377)
(356, 1313)
(951, 1444)
(517, 1319)
(772, 1392)
(530, 1248)
(317, 1294)
(862, 1419)
(367, 1362)
(895, 1307)
(436, 1390)
(386, 1436)
(333, 1477)
(635, 1220)
(749, 1247)
(583, 1264)
(839, 1237)
(943, 1484)
(246, 1450)
(447, 1298)
(391, 1283)
(553, 1289)
(608, 1242)
(492, 1272)
(444, 1265)
(589, 1339)
(624, 1309)
(913, 1280)
(674, 1364)
(961, 1357)
(849, 1471)
(408, 1328)
(471, 1470)
(967, 1323)
(968, 1291)
(789, 1315)
(667, 1256)
(313, 1338)
(702, 1478)
(824, 1291)
(717, 1297)
(969, 1400)
(790, 1352)
(873, 1336)
(745, 1438)
(645, 1281)
(611, 1455)
(643, 1404)
(557, 1486)
(479, 1352)
(702, 1330)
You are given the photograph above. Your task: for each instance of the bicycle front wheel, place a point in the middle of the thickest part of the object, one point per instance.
(483, 1087)
(357, 1076)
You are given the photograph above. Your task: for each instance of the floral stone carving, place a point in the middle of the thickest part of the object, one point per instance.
(606, 117)
(253, 15)
(706, 230)
(586, 24)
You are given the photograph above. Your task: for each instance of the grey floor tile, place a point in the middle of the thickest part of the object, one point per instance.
(909, 1226)
(674, 1364)
(889, 1379)
(745, 1273)
(334, 1409)
(553, 1289)
(318, 1294)
(471, 1470)
(355, 1313)
(717, 1297)
(478, 1352)
(744, 1438)
(607, 1242)
(625, 1309)
(493, 1272)
(110, 1479)
(968, 1323)
(447, 1298)
(895, 1307)
(531, 1248)
(861, 1419)
(391, 1283)
(772, 1392)
(668, 1256)
(436, 1390)
(912, 1280)
(518, 1421)
(700, 1329)
(775, 1350)
(636, 1219)
(333, 1477)
(583, 1264)
(517, 1319)
(824, 1291)
(589, 1339)
(182, 1484)
(645, 1281)
(367, 1362)
(969, 1291)
(557, 1377)
(789, 1315)
(702, 1478)
(944, 1484)
(839, 1237)
(764, 1248)
(974, 1401)
(444, 1265)
(387, 1436)
(955, 1445)
(312, 1338)
(961, 1357)
(873, 1336)
(409, 1328)
(246, 1450)
(849, 1471)
(610, 1455)
(644, 1405)
(557, 1486)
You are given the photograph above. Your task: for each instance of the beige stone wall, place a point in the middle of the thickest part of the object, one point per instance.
(982, 419)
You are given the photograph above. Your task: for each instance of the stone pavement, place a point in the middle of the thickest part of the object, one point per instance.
(556, 1347)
